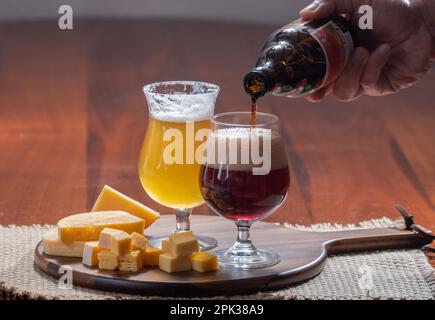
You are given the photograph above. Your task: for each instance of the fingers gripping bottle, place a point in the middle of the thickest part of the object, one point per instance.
(301, 57)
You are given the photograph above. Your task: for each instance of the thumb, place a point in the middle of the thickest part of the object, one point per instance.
(320, 9)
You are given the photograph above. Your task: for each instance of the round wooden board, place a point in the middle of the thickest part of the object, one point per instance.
(303, 255)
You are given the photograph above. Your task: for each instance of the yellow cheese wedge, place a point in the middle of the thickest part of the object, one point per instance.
(171, 264)
(88, 226)
(138, 242)
(111, 199)
(90, 254)
(53, 246)
(131, 262)
(204, 262)
(117, 241)
(183, 244)
(150, 257)
(107, 260)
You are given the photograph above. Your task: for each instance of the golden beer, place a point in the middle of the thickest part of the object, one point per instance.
(173, 185)
(174, 148)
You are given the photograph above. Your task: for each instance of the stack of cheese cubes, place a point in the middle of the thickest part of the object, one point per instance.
(116, 249)
(181, 253)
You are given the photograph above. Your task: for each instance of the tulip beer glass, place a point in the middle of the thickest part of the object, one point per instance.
(179, 118)
(245, 178)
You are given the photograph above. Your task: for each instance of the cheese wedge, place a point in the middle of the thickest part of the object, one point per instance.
(150, 257)
(117, 241)
(204, 262)
(53, 246)
(107, 260)
(90, 254)
(138, 242)
(88, 226)
(131, 262)
(183, 244)
(111, 199)
(171, 264)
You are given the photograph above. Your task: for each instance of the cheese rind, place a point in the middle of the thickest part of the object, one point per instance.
(88, 226)
(131, 262)
(169, 263)
(90, 254)
(138, 242)
(183, 244)
(117, 241)
(53, 246)
(111, 199)
(150, 257)
(204, 262)
(107, 260)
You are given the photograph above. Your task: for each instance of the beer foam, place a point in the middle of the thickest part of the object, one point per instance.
(243, 136)
(179, 106)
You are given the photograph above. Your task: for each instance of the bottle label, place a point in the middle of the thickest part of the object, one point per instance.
(337, 46)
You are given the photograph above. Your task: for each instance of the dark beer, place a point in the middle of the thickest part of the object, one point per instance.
(301, 57)
(242, 195)
(233, 189)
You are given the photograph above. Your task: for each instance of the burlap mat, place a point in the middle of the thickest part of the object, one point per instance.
(398, 274)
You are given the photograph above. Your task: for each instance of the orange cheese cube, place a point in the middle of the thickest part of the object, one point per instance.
(150, 257)
(183, 244)
(204, 262)
(90, 254)
(165, 246)
(107, 260)
(131, 262)
(138, 242)
(171, 264)
(119, 242)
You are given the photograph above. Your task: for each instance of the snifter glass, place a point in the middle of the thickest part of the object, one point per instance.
(245, 178)
(179, 111)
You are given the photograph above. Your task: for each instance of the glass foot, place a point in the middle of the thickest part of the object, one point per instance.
(205, 243)
(247, 260)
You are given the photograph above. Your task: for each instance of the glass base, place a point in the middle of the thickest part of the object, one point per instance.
(247, 260)
(205, 243)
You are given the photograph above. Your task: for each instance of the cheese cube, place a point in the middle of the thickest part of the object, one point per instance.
(107, 260)
(171, 264)
(90, 254)
(204, 262)
(111, 199)
(183, 244)
(131, 262)
(138, 242)
(150, 257)
(53, 246)
(165, 246)
(117, 241)
(88, 226)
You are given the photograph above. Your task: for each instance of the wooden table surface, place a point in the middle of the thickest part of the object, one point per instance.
(72, 118)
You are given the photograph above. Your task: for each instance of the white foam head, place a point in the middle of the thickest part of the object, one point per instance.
(238, 140)
(180, 101)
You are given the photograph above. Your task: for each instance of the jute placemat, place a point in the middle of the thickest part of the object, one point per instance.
(394, 274)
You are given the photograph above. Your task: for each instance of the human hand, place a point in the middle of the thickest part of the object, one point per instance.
(391, 56)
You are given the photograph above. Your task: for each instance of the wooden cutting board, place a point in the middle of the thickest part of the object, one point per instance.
(303, 255)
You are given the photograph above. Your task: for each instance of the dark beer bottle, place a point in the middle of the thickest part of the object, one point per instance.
(301, 57)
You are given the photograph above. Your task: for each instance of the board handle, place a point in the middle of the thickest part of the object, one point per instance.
(372, 239)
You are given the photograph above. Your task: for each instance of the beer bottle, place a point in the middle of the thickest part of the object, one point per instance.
(301, 57)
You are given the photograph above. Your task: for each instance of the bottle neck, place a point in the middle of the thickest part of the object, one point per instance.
(258, 82)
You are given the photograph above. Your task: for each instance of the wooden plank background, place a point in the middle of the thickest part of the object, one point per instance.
(73, 117)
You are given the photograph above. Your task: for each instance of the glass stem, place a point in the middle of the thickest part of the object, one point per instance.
(183, 219)
(243, 245)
